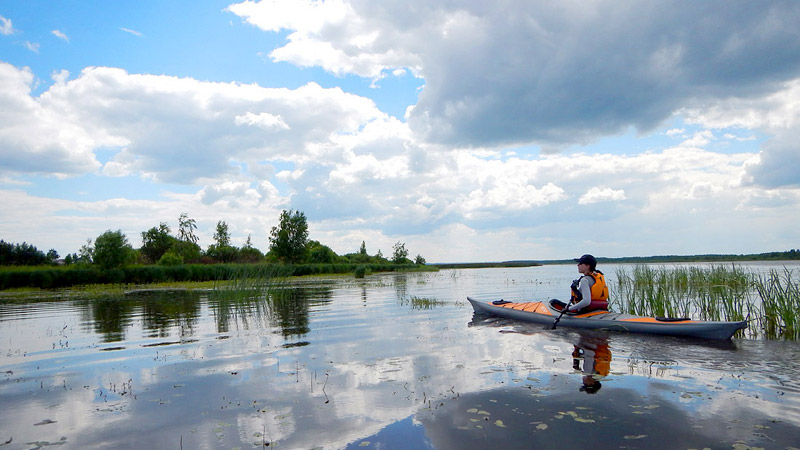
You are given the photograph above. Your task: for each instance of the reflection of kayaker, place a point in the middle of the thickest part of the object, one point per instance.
(596, 356)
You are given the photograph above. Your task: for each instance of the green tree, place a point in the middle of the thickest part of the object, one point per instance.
(363, 249)
(400, 253)
(52, 255)
(156, 241)
(186, 227)
(21, 254)
(112, 250)
(419, 260)
(86, 253)
(222, 236)
(221, 250)
(288, 240)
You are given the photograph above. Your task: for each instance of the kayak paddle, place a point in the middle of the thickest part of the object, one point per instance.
(563, 310)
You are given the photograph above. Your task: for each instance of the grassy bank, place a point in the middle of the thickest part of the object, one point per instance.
(63, 277)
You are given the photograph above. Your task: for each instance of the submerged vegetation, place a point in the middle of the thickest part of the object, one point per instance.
(422, 302)
(712, 293)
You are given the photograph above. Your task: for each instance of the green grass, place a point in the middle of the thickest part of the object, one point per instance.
(780, 304)
(724, 292)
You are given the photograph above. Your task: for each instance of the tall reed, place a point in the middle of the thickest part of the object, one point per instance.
(715, 293)
(780, 303)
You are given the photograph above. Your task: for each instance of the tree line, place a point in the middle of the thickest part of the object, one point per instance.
(289, 244)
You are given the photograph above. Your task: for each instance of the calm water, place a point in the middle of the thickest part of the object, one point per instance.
(345, 363)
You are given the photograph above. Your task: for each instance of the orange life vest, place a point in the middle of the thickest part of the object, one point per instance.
(599, 292)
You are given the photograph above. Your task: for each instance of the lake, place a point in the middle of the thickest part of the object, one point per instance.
(391, 361)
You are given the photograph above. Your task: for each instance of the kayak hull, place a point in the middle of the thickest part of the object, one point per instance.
(543, 313)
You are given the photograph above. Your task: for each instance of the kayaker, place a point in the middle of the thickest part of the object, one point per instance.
(589, 292)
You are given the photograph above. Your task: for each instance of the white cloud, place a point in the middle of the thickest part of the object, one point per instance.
(601, 194)
(699, 139)
(544, 73)
(32, 46)
(133, 32)
(6, 28)
(59, 34)
(168, 128)
(263, 120)
(36, 138)
(676, 132)
(333, 35)
(777, 115)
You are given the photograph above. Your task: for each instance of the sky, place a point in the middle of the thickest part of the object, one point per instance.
(466, 130)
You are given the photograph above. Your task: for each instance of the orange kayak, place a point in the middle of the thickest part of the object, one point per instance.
(546, 314)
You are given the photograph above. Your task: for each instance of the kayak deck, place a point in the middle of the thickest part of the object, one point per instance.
(544, 313)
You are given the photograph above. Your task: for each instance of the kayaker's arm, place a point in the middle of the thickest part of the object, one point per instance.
(585, 287)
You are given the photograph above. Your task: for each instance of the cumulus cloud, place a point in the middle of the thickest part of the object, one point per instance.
(36, 138)
(554, 74)
(168, 128)
(778, 116)
(565, 74)
(366, 39)
(601, 194)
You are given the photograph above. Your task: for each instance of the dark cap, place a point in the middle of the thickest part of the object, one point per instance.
(587, 259)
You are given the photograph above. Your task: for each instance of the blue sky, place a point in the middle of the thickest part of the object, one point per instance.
(469, 131)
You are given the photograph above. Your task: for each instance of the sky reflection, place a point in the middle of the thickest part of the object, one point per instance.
(351, 362)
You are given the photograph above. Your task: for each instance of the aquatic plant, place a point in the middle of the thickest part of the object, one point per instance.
(705, 293)
(422, 302)
(780, 301)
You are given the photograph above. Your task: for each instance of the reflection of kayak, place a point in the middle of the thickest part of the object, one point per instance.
(544, 313)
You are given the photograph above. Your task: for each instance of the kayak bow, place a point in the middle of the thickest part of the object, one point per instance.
(544, 313)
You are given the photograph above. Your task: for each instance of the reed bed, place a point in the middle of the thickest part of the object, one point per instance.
(723, 292)
(780, 303)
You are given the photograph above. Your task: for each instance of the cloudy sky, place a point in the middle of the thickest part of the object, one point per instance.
(468, 130)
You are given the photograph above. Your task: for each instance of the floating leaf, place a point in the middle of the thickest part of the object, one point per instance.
(472, 410)
(637, 436)
(499, 423)
(582, 420)
(364, 444)
(484, 413)
(541, 426)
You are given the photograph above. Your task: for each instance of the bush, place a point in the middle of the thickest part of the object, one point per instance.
(170, 258)
(362, 271)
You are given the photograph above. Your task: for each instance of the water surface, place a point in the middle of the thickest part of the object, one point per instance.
(345, 363)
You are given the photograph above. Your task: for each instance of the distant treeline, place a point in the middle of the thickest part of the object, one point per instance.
(482, 265)
(789, 255)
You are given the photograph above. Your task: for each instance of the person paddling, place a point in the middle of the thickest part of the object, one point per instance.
(589, 292)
